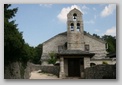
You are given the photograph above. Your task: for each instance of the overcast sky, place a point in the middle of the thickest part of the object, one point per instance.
(40, 22)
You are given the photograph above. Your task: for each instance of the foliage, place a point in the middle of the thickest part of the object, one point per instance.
(13, 41)
(111, 41)
(105, 63)
(95, 35)
(38, 51)
(52, 59)
(15, 48)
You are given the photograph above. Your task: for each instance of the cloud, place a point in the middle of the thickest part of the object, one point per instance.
(94, 8)
(108, 10)
(95, 16)
(111, 31)
(97, 30)
(89, 22)
(62, 16)
(46, 5)
(84, 7)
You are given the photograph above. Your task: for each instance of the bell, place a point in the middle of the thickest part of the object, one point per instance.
(74, 17)
(72, 26)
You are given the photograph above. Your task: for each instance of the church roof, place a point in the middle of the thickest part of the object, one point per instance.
(75, 10)
(65, 34)
(87, 34)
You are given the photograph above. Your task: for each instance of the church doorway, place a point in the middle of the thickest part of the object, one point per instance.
(74, 67)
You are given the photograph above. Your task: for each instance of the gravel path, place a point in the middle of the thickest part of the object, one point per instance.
(37, 75)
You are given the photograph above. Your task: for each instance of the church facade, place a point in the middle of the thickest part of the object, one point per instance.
(75, 48)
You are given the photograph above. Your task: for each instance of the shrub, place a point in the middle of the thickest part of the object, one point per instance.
(52, 59)
(105, 63)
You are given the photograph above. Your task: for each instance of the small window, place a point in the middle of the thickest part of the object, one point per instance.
(72, 27)
(86, 47)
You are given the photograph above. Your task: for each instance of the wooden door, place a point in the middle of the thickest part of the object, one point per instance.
(73, 67)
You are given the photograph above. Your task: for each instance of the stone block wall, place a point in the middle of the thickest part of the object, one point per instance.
(12, 71)
(100, 61)
(101, 72)
(96, 46)
(52, 45)
(86, 62)
(47, 69)
(16, 70)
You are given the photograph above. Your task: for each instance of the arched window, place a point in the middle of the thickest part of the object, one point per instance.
(74, 17)
(72, 27)
(78, 26)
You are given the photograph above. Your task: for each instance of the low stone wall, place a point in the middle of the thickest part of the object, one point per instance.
(12, 71)
(101, 72)
(47, 69)
(17, 71)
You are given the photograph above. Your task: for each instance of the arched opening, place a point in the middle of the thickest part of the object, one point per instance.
(74, 17)
(92, 64)
(72, 27)
(78, 26)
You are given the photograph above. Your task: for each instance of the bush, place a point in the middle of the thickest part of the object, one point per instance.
(52, 59)
(105, 63)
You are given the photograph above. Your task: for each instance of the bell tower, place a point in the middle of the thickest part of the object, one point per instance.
(75, 36)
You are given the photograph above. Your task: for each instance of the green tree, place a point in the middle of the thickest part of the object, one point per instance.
(13, 41)
(95, 35)
(38, 51)
(111, 41)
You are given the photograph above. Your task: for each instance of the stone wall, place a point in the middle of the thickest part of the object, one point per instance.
(16, 70)
(86, 62)
(47, 69)
(12, 71)
(101, 72)
(100, 61)
(52, 45)
(96, 46)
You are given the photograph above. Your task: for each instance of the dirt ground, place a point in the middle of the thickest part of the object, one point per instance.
(40, 75)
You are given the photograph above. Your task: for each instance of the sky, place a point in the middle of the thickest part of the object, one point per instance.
(40, 22)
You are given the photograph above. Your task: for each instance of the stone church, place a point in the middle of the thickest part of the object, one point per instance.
(75, 48)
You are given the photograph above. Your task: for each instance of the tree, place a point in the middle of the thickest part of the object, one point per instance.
(15, 48)
(52, 59)
(95, 35)
(111, 41)
(13, 41)
(38, 53)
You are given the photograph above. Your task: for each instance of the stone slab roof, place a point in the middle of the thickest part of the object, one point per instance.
(65, 34)
(112, 55)
(98, 39)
